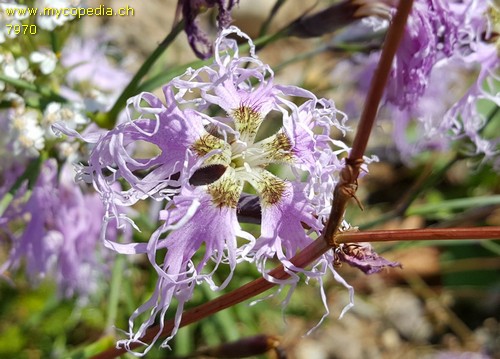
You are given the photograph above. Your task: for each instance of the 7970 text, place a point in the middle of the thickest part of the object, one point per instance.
(18, 29)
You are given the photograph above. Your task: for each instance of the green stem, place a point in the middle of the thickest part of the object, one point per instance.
(108, 120)
(21, 84)
(272, 14)
(490, 118)
(340, 47)
(300, 57)
(454, 204)
(114, 296)
(24, 85)
(54, 42)
(491, 246)
(162, 78)
(263, 41)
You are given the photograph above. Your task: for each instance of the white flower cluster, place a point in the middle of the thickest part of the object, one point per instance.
(29, 129)
(15, 68)
(26, 132)
(20, 68)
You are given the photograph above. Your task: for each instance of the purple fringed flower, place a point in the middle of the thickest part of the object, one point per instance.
(441, 112)
(464, 117)
(431, 34)
(363, 257)
(436, 30)
(445, 44)
(197, 38)
(61, 233)
(427, 117)
(201, 165)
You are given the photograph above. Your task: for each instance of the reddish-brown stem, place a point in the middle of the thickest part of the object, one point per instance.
(379, 81)
(419, 234)
(347, 186)
(307, 256)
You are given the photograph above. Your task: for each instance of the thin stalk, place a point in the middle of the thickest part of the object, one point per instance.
(265, 26)
(489, 119)
(492, 247)
(28, 86)
(108, 120)
(115, 290)
(470, 264)
(262, 42)
(20, 84)
(457, 203)
(304, 258)
(54, 41)
(347, 186)
(320, 50)
(428, 177)
(334, 17)
(300, 57)
(438, 234)
(380, 78)
(162, 78)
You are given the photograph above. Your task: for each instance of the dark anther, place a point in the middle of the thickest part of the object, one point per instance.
(249, 210)
(207, 175)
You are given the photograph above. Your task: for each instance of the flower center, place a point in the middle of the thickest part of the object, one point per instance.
(246, 160)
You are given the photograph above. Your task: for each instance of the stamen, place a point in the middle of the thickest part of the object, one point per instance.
(207, 143)
(247, 121)
(280, 149)
(226, 190)
(270, 187)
